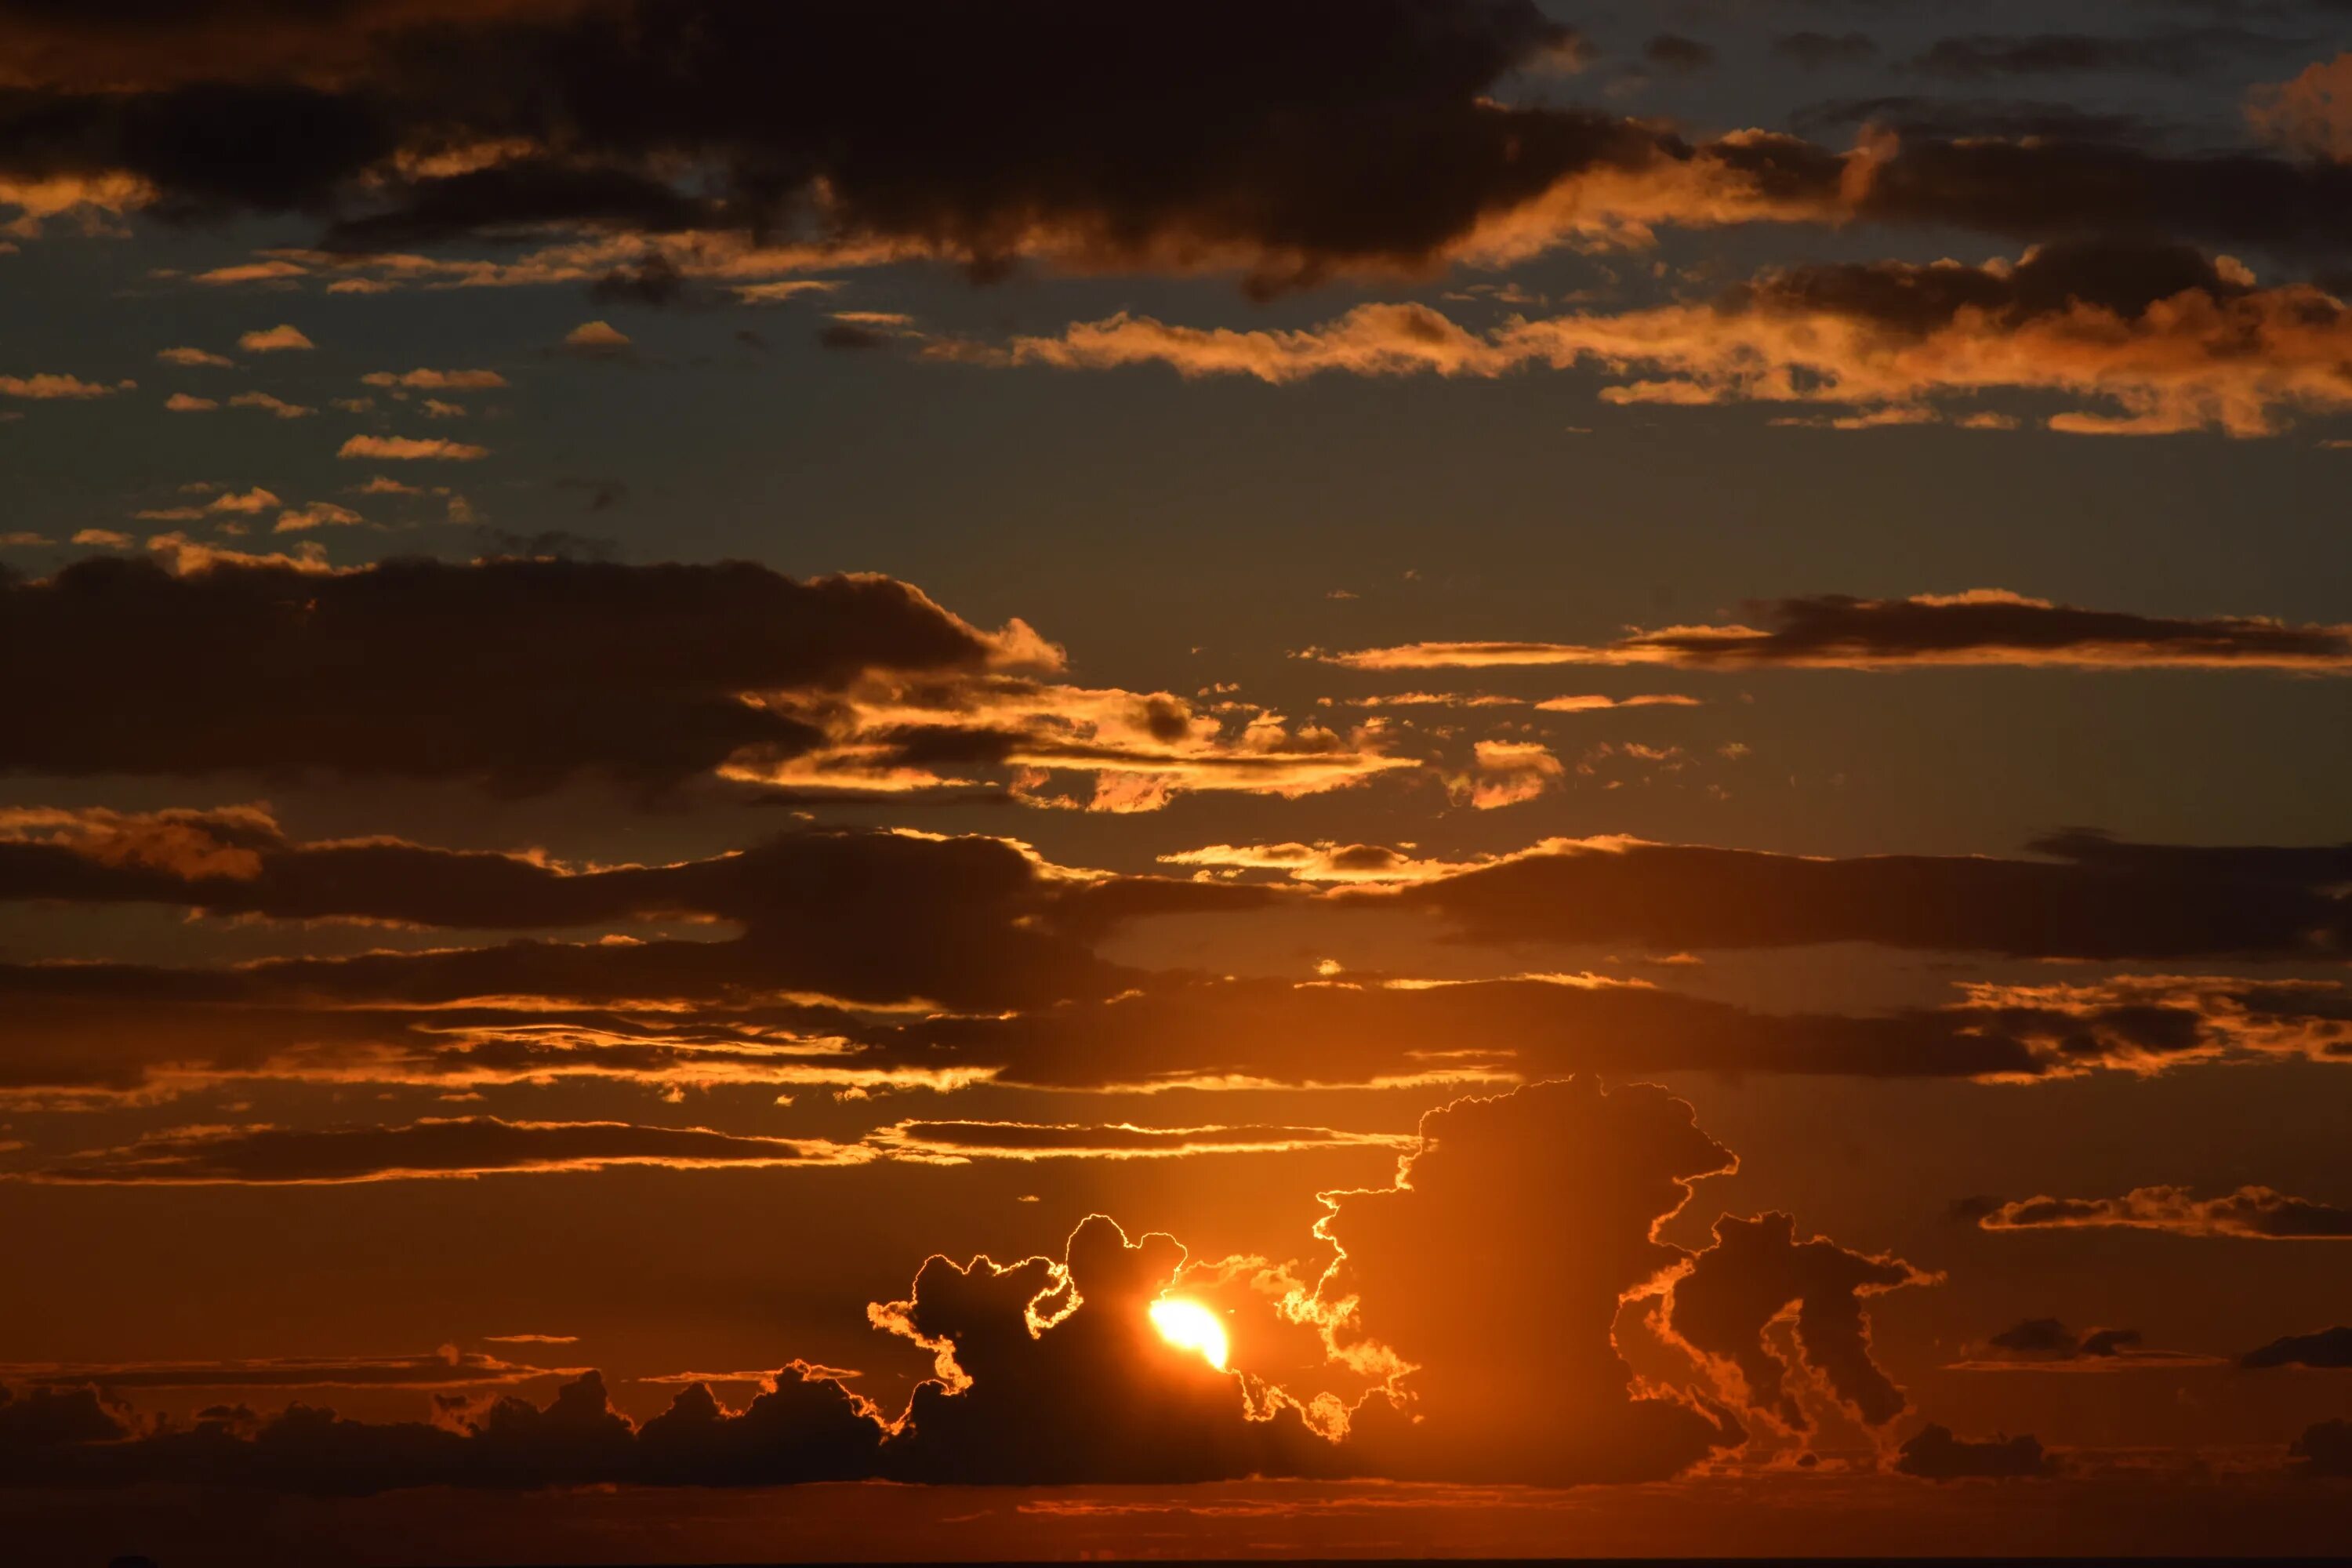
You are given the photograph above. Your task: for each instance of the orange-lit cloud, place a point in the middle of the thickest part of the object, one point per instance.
(411, 448)
(439, 1147)
(2150, 342)
(2254, 1212)
(1123, 1141)
(1979, 627)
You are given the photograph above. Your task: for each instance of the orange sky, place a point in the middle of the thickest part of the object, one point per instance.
(1340, 778)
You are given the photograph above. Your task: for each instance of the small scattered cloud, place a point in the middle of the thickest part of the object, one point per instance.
(275, 340)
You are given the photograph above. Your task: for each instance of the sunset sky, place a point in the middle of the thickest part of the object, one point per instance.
(979, 778)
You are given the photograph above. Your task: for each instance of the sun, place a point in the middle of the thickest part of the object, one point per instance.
(1188, 1325)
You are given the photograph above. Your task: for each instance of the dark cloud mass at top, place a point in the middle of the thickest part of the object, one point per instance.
(1286, 141)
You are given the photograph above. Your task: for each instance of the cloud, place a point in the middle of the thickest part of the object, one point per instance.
(445, 1368)
(1506, 772)
(2260, 1214)
(2092, 897)
(1469, 1306)
(1817, 51)
(47, 388)
(2155, 338)
(422, 380)
(1494, 1268)
(2326, 1348)
(316, 514)
(102, 539)
(188, 403)
(803, 1427)
(454, 1146)
(597, 340)
(1137, 751)
(411, 448)
(1936, 1454)
(1049, 1370)
(2324, 1448)
(421, 669)
(2045, 1344)
(274, 340)
(1033, 1140)
(1978, 626)
(278, 406)
(193, 356)
(1754, 1275)
(2175, 52)
(2312, 113)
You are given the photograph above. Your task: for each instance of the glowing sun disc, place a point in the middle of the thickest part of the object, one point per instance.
(1188, 1325)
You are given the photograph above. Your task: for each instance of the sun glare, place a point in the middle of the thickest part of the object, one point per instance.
(1188, 1325)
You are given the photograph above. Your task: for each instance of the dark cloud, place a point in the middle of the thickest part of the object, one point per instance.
(2328, 1347)
(2323, 1449)
(1470, 1305)
(2252, 1213)
(2047, 1344)
(1982, 627)
(517, 673)
(453, 1146)
(1228, 127)
(849, 335)
(2094, 899)
(1034, 1141)
(1943, 118)
(1673, 52)
(806, 1427)
(1936, 1454)
(447, 1368)
(2175, 52)
(1051, 1372)
(1817, 51)
(1753, 1275)
(1496, 1264)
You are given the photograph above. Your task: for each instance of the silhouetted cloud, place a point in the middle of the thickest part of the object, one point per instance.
(2328, 1347)
(517, 673)
(1980, 626)
(452, 1146)
(1753, 1275)
(2046, 1344)
(1936, 1454)
(2094, 897)
(2324, 1448)
(2260, 1213)
(2179, 52)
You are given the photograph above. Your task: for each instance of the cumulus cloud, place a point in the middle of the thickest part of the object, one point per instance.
(1978, 626)
(1758, 1272)
(2254, 1212)
(1469, 1306)
(2311, 112)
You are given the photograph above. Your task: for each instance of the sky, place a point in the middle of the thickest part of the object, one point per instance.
(1320, 777)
